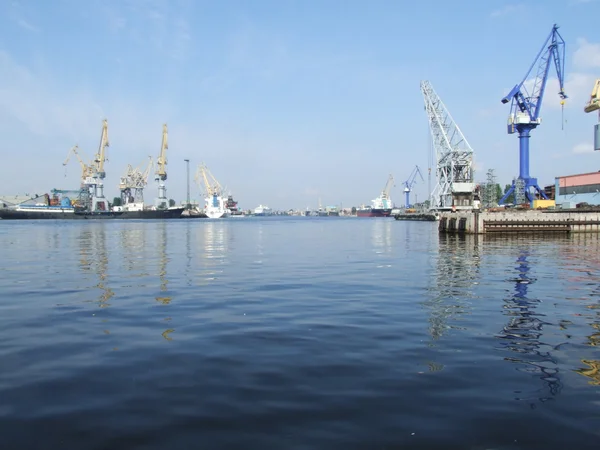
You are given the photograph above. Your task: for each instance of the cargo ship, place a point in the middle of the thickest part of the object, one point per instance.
(380, 206)
(57, 208)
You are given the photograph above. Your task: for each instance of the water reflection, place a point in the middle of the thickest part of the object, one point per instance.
(163, 262)
(214, 253)
(133, 241)
(522, 334)
(456, 274)
(94, 259)
(382, 235)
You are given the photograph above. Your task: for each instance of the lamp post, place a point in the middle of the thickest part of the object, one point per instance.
(187, 162)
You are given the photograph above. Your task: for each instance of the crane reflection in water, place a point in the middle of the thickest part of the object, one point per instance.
(522, 334)
(457, 271)
(94, 258)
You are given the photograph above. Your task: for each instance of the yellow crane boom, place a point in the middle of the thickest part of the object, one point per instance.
(388, 186)
(161, 162)
(594, 103)
(211, 185)
(101, 155)
(86, 170)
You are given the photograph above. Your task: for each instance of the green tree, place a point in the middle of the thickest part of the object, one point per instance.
(171, 202)
(353, 210)
(499, 192)
(511, 197)
(116, 201)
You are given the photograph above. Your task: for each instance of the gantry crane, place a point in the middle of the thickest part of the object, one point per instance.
(594, 105)
(409, 183)
(161, 171)
(132, 186)
(525, 111)
(86, 170)
(453, 156)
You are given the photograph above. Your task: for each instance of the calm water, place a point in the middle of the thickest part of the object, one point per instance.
(295, 333)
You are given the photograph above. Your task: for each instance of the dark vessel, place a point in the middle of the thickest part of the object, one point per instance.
(62, 208)
(232, 206)
(373, 212)
(58, 213)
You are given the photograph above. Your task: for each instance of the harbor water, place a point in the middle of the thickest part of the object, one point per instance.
(295, 333)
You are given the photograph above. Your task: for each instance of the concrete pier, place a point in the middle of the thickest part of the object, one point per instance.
(519, 221)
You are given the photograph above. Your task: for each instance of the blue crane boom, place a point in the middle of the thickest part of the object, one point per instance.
(525, 111)
(408, 184)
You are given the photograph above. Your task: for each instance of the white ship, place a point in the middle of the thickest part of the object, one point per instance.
(263, 211)
(214, 204)
(214, 207)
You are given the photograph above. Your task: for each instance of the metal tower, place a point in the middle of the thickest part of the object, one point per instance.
(526, 102)
(453, 155)
(490, 197)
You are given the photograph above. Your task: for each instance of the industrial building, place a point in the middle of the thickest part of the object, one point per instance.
(574, 189)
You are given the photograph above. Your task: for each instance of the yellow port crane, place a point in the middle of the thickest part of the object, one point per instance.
(385, 194)
(100, 157)
(86, 170)
(161, 171)
(594, 103)
(161, 162)
(211, 185)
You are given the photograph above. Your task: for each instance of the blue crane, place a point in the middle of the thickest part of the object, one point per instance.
(408, 184)
(525, 111)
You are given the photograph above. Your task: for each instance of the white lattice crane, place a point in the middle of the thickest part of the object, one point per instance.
(453, 155)
(132, 184)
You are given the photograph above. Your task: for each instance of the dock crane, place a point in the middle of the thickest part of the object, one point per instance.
(385, 193)
(132, 186)
(452, 154)
(204, 178)
(525, 111)
(594, 105)
(408, 184)
(86, 170)
(96, 200)
(161, 171)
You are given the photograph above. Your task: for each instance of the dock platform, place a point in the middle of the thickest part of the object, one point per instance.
(520, 221)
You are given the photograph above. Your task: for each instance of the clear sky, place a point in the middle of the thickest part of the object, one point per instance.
(286, 101)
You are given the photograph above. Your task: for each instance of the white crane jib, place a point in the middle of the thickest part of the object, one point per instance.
(453, 155)
(132, 186)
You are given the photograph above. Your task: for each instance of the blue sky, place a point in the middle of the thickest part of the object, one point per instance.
(286, 101)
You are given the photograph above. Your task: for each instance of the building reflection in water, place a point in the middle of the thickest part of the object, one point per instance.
(94, 259)
(381, 234)
(522, 334)
(452, 287)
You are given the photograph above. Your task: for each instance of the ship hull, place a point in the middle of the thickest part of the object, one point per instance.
(374, 212)
(69, 214)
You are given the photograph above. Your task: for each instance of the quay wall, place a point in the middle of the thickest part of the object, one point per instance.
(483, 222)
